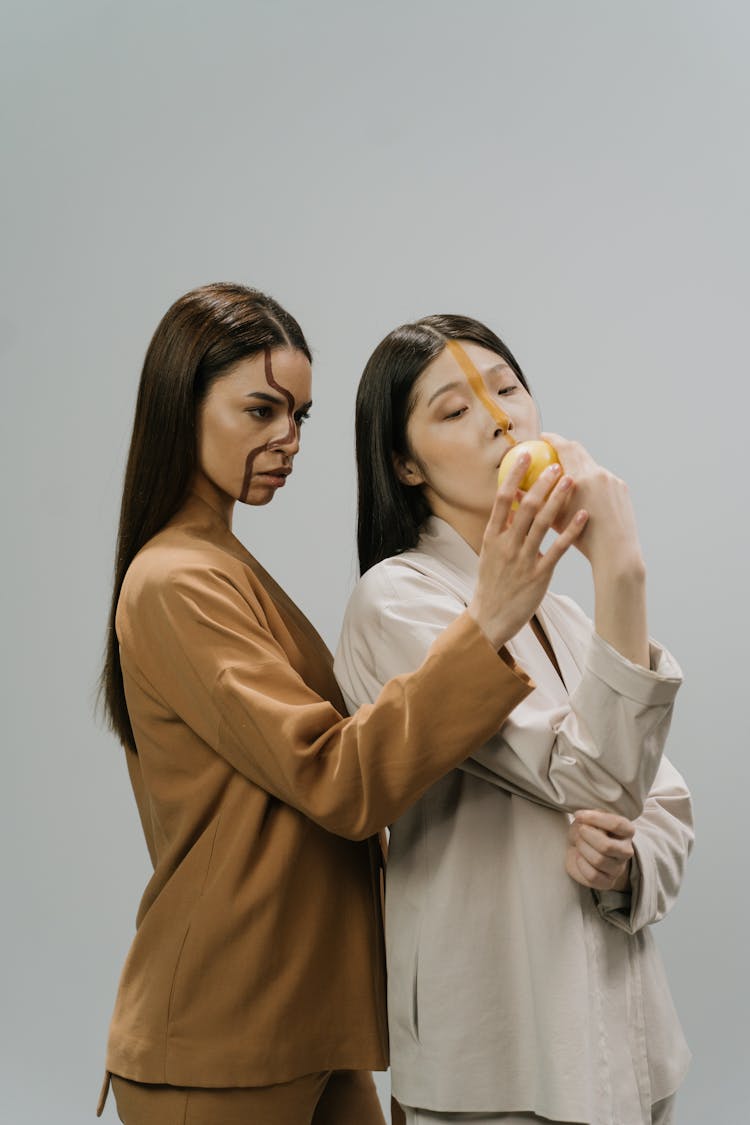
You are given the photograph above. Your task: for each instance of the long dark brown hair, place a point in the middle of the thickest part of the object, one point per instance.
(199, 338)
(390, 515)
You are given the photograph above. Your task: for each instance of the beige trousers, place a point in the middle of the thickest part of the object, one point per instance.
(662, 1113)
(338, 1097)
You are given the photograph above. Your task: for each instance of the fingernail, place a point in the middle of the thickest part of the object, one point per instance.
(553, 470)
(565, 483)
(582, 516)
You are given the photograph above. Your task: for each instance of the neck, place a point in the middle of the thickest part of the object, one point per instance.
(469, 525)
(219, 501)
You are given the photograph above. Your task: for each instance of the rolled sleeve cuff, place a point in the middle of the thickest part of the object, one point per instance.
(654, 685)
(624, 909)
(614, 907)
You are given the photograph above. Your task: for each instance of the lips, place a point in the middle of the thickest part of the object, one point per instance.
(506, 452)
(281, 472)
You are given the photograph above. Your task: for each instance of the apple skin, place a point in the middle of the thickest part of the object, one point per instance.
(542, 455)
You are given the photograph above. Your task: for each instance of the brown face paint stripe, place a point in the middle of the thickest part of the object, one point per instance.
(250, 461)
(249, 471)
(289, 398)
(476, 382)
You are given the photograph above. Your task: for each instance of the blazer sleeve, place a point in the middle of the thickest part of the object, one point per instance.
(602, 749)
(663, 841)
(198, 642)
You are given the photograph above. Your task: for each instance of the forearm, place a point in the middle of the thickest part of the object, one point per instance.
(620, 610)
(356, 775)
(199, 649)
(604, 750)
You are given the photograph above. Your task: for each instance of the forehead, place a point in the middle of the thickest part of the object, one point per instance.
(286, 368)
(445, 369)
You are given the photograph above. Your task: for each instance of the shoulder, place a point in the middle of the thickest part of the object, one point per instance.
(404, 577)
(176, 567)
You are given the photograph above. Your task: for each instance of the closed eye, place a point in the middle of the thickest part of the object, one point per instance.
(456, 413)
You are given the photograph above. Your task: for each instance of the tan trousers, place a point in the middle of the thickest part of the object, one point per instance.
(338, 1097)
(662, 1113)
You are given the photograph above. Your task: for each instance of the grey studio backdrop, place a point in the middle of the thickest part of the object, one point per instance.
(575, 173)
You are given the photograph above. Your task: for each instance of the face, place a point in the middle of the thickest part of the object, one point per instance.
(455, 444)
(249, 427)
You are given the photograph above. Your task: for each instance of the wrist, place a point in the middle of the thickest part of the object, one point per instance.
(497, 628)
(622, 882)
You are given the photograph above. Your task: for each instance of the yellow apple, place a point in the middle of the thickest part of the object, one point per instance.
(542, 455)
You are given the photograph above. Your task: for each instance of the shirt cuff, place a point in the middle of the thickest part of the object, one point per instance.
(657, 684)
(620, 907)
(610, 902)
(516, 669)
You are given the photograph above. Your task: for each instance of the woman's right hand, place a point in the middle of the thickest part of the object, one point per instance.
(513, 573)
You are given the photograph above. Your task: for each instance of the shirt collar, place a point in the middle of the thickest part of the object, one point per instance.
(442, 541)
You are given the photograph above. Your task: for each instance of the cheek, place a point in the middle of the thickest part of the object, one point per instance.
(447, 464)
(525, 414)
(223, 448)
(213, 427)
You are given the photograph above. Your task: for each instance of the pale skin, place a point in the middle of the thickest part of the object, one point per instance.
(455, 448)
(600, 850)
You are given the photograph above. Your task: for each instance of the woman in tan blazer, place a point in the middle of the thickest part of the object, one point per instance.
(254, 989)
(523, 981)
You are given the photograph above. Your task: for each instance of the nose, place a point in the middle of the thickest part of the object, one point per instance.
(288, 441)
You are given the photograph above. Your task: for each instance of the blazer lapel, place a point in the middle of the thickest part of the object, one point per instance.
(460, 563)
(570, 667)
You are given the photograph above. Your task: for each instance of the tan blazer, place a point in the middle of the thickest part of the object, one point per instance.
(258, 951)
(511, 987)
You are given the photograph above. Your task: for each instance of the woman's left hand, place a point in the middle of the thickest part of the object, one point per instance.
(600, 850)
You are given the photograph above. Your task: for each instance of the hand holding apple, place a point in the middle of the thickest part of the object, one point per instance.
(610, 541)
(542, 455)
(514, 574)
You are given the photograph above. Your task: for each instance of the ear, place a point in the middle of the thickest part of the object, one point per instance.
(407, 470)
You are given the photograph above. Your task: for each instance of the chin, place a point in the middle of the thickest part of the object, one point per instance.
(258, 501)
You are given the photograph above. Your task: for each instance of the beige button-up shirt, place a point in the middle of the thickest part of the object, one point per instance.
(510, 986)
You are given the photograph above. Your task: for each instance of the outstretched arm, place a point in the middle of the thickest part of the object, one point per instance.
(600, 749)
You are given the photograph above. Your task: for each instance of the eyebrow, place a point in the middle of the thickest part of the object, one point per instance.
(442, 390)
(498, 368)
(273, 399)
(266, 398)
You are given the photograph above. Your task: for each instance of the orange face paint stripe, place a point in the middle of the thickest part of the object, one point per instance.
(476, 382)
